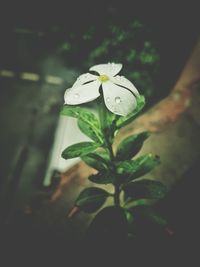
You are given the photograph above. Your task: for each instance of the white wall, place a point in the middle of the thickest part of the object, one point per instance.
(67, 133)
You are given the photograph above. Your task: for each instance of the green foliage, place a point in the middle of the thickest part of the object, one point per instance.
(130, 146)
(145, 164)
(79, 150)
(91, 199)
(143, 202)
(121, 169)
(102, 177)
(132, 169)
(145, 216)
(97, 160)
(127, 167)
(87, 121)
(143, 189)
(152, 215)
(129, 217)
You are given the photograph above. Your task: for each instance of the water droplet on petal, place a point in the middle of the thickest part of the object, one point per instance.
(108, 99)
(118, 100)
(76, 96)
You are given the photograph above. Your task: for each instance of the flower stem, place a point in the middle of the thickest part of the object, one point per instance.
(108, 145)
(116, 195)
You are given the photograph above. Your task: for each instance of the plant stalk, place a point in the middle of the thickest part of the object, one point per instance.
(102, 118)
(116, 195)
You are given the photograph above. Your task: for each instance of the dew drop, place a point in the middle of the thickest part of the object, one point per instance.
(108, 99)
(118, 100)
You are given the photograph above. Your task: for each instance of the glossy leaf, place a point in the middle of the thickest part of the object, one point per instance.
(75, 112)
(79, 149)
(101, 178)
(91, 129)
(126, 167)
(129, 217)
(132, 169)
(97, 160)
(145, 164)
(91, 199)
(144, 189)
(152, 215)
(130, 146)
(147, 213)
(87, 122)
(130, 204)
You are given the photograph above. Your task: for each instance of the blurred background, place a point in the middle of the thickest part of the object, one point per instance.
(43, 49)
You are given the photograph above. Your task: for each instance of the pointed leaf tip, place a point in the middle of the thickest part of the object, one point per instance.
(79, 149)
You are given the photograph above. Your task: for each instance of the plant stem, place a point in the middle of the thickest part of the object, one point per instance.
(102, 117)
(116, 195)
(116, 185)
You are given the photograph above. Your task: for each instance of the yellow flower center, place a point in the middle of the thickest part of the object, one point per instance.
(103, 78)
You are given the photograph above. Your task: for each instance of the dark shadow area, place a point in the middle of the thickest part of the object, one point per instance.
(174, 244)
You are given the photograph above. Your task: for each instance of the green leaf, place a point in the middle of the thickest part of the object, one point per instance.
(132, 169)
(96, 160)
(122, 121)
(104, 156)
(91, 129)
(145, 164)
(131, 222)
(154, 216)
(144, 189)
(109, 117)
(147, 213)
(130, 204)
(74, 111)
(87, 122)
(129, 217)
(79, 150)
(91, 199)
(130, 146)
(126, 167)
(101, 178)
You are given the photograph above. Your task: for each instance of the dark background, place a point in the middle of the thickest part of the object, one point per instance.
(174, 29)
(174, 26)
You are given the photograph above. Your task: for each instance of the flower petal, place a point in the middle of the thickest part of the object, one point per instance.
(82, 94)
(121, 80)
(84, 78)
(117, 99)
(110, 69)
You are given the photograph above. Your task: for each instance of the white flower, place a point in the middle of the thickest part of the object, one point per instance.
(118, 92)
